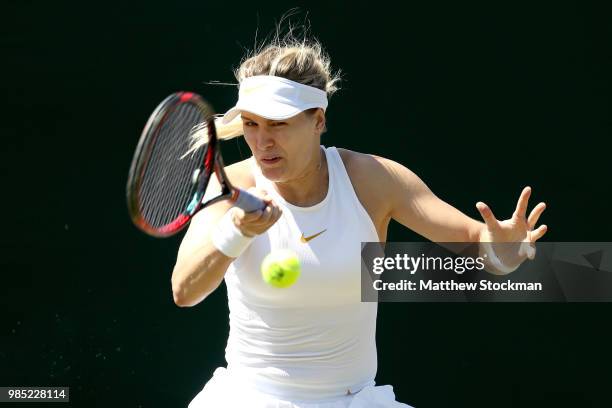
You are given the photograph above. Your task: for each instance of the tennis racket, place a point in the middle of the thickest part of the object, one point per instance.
(168, 179)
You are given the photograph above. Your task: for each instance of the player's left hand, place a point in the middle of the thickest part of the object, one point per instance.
(518, 229)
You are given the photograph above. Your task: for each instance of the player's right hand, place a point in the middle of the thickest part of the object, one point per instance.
(257, 222)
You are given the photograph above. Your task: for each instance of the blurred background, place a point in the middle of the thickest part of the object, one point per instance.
(479, 99)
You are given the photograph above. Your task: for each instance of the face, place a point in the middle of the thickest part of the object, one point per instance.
(287, 149)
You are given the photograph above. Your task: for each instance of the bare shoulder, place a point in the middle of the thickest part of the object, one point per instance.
(201, 224)
(377, 173)
(382, 185)
(366, 171)
(370, 179)
(240, 174)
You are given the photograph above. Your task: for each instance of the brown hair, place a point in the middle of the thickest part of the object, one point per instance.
(301, 60)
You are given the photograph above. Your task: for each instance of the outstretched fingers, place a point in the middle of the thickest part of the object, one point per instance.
(487, 215)
(535, 214)
(538, 233)
(523, 203)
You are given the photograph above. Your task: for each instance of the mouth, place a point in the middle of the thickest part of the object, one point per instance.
(270, 159)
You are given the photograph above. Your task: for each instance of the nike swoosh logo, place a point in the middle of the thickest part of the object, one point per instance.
(306, 239)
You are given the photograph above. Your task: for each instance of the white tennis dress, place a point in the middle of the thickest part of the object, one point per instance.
(311, 345)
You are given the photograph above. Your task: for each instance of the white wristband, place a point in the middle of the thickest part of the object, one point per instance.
(494, 262)
(227, 238)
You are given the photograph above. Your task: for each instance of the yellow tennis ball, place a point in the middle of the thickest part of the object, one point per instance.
(281, 268)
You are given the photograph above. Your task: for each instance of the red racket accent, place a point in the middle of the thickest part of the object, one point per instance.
(209, 160)
(186, 96)
(174, 226)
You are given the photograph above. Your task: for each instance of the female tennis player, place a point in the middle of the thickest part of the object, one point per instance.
(311, 345)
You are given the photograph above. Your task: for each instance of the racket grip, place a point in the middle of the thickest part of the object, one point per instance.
(248, 202)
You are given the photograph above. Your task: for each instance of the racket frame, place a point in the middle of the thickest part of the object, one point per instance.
(212, 162)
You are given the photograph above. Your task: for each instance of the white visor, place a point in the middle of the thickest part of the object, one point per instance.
(275, 98)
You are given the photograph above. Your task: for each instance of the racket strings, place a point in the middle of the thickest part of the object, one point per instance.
(164, 191)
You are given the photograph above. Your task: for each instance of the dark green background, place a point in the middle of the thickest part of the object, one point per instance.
(478, 99)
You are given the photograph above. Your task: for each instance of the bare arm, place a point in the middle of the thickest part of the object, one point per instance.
(389, 190)
(415, 206)
(200, 266)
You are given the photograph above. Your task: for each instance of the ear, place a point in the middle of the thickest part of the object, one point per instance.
(320, 120)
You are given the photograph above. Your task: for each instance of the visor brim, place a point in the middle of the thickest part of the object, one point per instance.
(272, 112)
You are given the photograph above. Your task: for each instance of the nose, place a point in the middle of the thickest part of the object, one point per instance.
(265, 139)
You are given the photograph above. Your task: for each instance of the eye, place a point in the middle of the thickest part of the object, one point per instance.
(276, 124)
(249, 123)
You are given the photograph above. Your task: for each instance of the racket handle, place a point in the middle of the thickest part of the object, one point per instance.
(248, 202)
